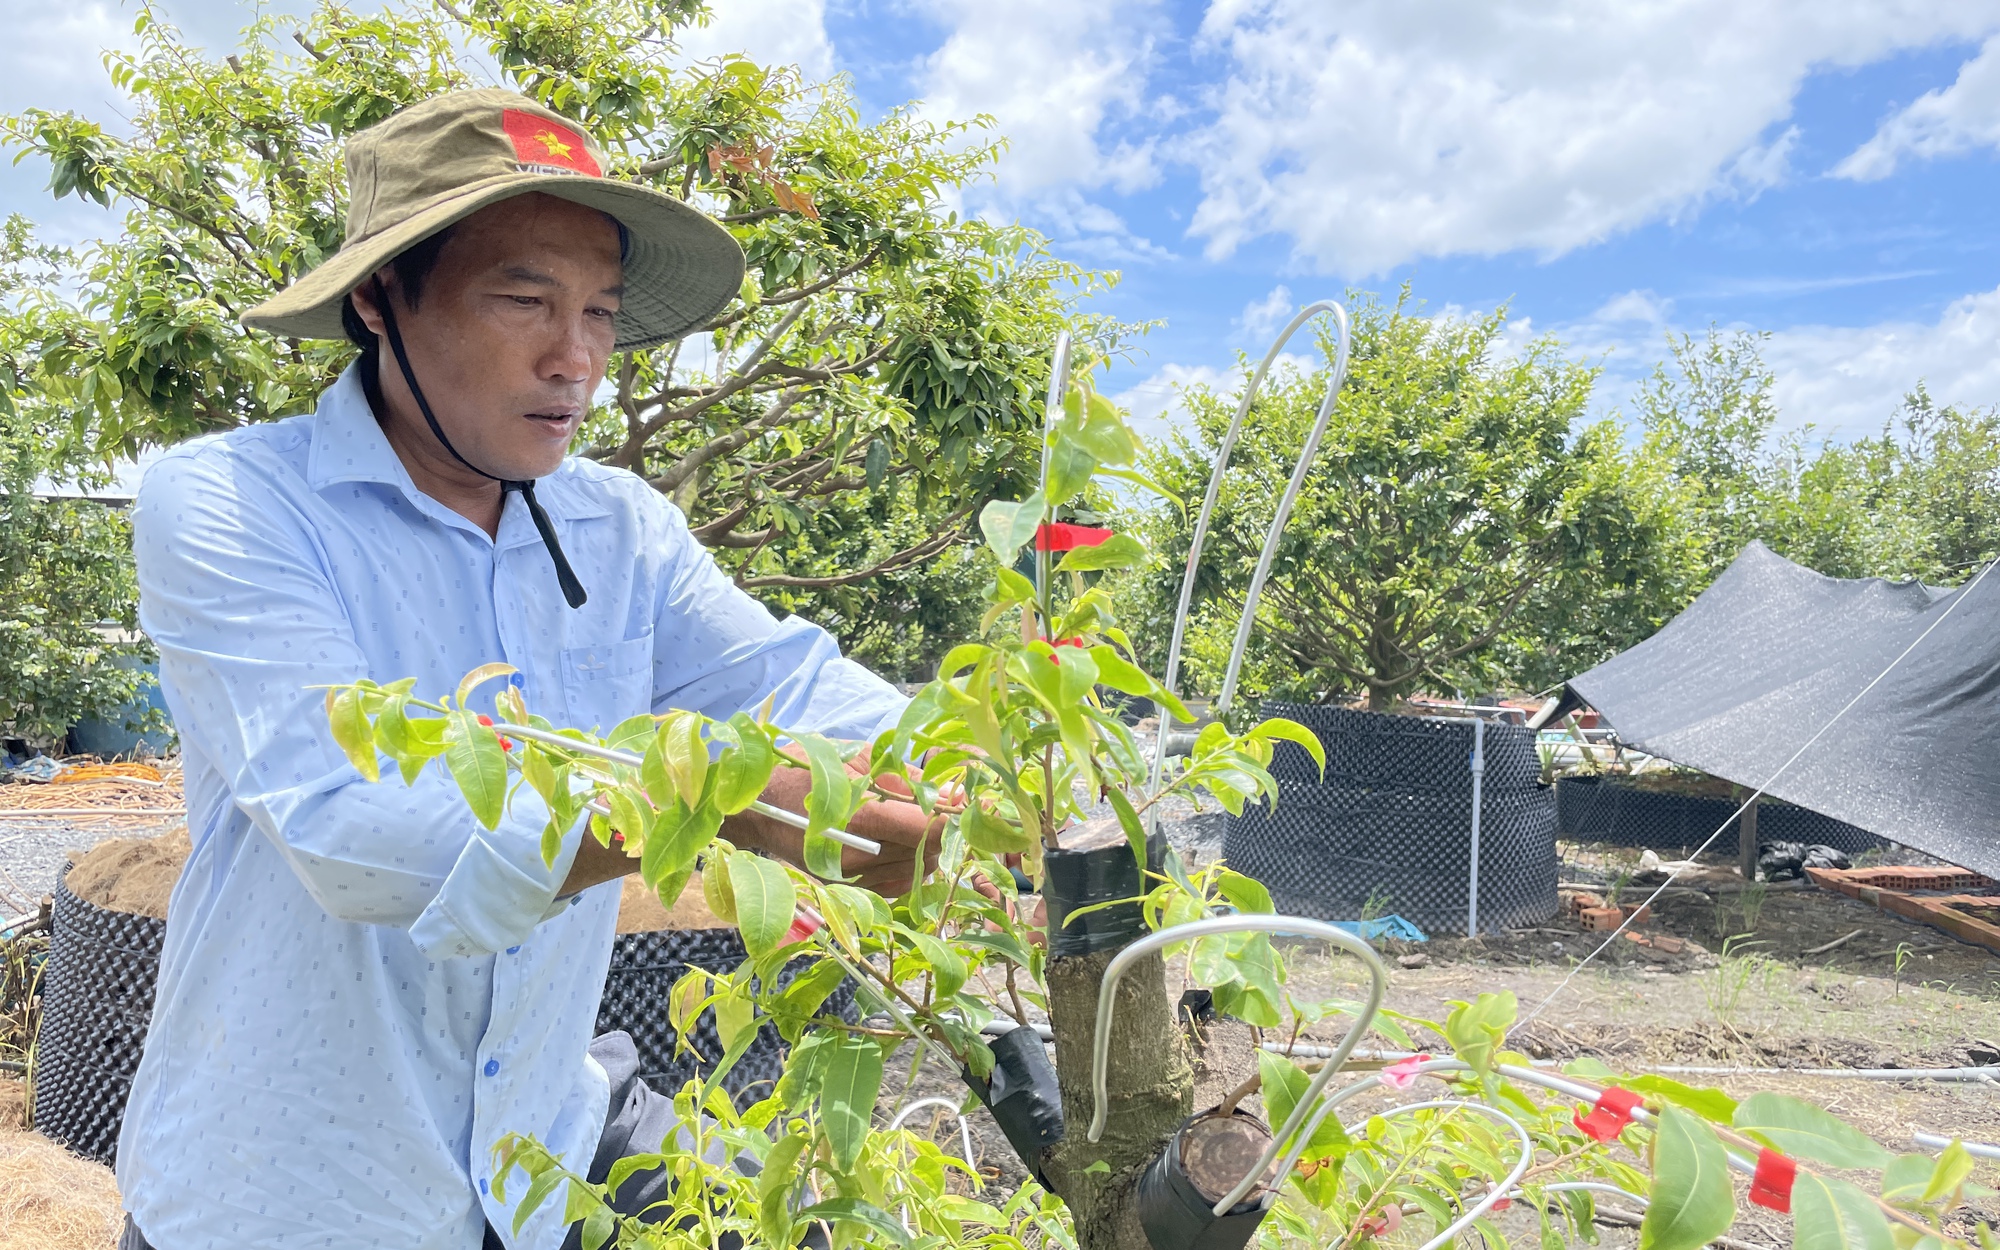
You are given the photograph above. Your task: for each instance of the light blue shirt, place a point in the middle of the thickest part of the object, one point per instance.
(362, 989)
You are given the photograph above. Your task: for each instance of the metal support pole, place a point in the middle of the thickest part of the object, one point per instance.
(1746, 843)
(1478, 785)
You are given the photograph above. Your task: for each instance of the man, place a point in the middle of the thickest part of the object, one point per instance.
(361, 989)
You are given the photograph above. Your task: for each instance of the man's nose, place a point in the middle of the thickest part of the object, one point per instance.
(569, 358)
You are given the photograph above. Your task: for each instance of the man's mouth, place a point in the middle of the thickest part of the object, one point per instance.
(557, 417)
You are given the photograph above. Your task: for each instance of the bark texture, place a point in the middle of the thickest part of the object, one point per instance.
(1149, 1085)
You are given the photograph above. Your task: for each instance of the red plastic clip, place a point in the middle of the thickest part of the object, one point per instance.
(506, 743)
(1771, 1185)
(804, 925)
(1065, 642)
(1613, 1113)
(1063, 536)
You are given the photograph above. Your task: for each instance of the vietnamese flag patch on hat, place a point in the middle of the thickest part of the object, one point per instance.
(545, 147)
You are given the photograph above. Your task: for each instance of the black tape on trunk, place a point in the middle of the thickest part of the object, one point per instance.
(1096, 866)
(1023, 1096)
(1175, 1210)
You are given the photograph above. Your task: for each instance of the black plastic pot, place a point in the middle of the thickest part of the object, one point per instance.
(97, 999)
(1095, 865)
(1023, 1096)
(1208, 1153)
(1606, 809)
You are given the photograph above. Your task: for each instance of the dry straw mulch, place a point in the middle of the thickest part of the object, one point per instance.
(49, 1198)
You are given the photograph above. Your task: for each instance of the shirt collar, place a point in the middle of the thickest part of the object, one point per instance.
(348, 445)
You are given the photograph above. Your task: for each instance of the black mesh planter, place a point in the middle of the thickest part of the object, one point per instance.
(644, 967)
(1598, 809)
(1392, 823)
(97, 998)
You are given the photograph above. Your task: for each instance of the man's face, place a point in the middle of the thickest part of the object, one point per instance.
(511, 331)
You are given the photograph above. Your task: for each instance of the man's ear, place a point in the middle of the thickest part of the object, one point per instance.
(363, 297)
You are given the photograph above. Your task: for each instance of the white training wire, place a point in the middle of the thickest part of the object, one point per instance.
(1494, 1194)
(943, 1104)
(1630, 917)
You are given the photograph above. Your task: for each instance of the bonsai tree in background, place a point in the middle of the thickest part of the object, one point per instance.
(1458, 489)
(1014, 747)
(843, 420)
(69, 650)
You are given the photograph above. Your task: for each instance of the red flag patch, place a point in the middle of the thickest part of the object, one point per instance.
(545, 147)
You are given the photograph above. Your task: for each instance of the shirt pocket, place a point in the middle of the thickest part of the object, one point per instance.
(603, 683)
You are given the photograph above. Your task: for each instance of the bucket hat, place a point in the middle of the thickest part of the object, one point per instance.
(436, 162)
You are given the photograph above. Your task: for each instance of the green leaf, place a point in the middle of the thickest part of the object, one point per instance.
(1291, 731)
(632, 734)
(1908, 1177)
(946, 964)
(1070, 467)
(1477, 1029)
(1128, 820)
(718, 892)
(1245, 894)
(847, 1097)
(684, 755)
(352, 732)
(472, 752)
(1120, 551)
(1953, 1167)
(1283, 1084)
(1830, 1214)
(744, 771)
(766, 901)
(989, 834)
(735, 1016)
(1692, 1201)
(1804, 1131)
(828, 804)
(855, 1211)
(1008, 525)
(1710, 1104)
(478, 677)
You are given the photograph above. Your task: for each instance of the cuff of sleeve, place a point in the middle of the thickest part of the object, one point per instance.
(498, 890)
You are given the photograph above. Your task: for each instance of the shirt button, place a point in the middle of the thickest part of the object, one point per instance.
(493, 1067)
(516, 680)
(513, 950)
(482, 1184)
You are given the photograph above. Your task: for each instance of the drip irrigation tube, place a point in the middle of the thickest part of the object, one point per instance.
(1987, 1074)
(1977, 1149)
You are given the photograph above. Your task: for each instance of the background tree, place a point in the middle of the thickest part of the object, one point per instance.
(1457, 488)
(67, 647)
(875, 377)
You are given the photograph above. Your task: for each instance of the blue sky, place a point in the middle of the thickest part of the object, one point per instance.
(1820, 169)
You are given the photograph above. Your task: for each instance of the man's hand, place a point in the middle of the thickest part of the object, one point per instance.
(898, 824)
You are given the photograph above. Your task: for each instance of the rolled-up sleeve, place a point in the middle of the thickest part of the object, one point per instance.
(720, 652)
(236, 594)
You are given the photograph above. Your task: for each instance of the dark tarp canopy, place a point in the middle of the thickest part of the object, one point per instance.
(1767, 657)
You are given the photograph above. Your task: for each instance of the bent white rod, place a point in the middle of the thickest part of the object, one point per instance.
(1052, 407)
(1494, 1194)
(1245, 623)
(1100, 1042)
(941, 1104)
(615, 756)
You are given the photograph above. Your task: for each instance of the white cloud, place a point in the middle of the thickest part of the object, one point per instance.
(1643, 307)
(1156, 405)
(770, 32)
(1379, 131)
(1946, 122)
(1053, 74)
(1262, 317)
(1848, 381)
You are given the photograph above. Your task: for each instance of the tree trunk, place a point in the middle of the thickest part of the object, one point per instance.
(1149, 1085)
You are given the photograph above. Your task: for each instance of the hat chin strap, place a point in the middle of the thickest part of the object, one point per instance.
(565, 576)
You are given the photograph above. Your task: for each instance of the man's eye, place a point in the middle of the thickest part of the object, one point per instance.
(606, 313)
(526, 301)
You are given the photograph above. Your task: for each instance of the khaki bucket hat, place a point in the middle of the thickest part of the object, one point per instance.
(433, 163)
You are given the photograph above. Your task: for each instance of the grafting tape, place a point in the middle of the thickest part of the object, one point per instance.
(1102, 871)
(1612, 1113)
(1176, 1212)
(1023, 1095)
(1771, 1184)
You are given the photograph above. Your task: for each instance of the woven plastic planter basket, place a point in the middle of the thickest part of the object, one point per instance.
(1391, 823)
(97, 999)
(1597, 809)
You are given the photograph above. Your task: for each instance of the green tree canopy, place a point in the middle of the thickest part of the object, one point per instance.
(877, 374)
(1458, 489)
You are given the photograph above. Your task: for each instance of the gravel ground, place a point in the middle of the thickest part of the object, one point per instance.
(33, 851)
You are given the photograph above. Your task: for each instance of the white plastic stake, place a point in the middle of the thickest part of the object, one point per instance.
(1478, 780)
